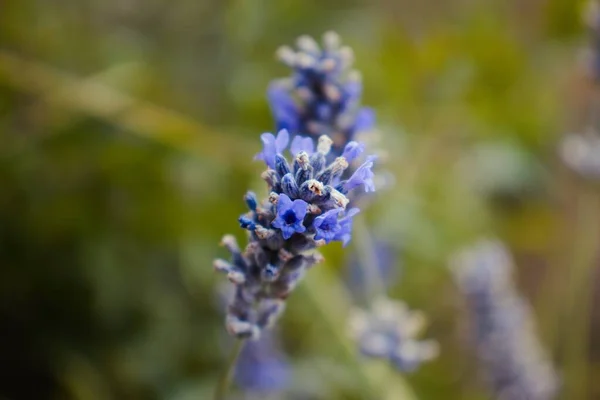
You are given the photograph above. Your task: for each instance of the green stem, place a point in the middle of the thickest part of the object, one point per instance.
(578, 304)
(227, 373)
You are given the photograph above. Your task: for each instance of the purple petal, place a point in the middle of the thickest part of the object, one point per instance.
(300, 207)
(331, 214)
(352, 212)
(300, 143)
(362, 176)
(268, 153)
(284, 203)
(282, 140)
(352, 150)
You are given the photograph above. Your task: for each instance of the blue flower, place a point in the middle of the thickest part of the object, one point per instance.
(344, 234)
(290, 215)
(327, 225)
(272, 146)
(362, 176)
(300, 143)
(308, 194)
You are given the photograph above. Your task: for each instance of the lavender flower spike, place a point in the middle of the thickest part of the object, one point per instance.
(305, 209)
(506, 343)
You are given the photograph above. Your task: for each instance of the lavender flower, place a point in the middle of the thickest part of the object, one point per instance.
(323, 95)
(507, 345)
(306, 208)
(389, 331)
(290, 216)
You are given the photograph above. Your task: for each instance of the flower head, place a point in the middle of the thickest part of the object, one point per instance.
(290, 215)
(323, 94)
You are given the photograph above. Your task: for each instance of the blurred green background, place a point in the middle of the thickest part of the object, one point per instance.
(127, 132)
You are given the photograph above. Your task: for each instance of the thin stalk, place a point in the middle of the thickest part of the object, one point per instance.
(226, 375)
(374, 285)
(578, 304)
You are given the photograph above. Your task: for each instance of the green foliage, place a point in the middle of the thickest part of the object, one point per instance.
(128, 130)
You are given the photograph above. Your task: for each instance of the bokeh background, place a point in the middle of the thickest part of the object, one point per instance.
(127, 132)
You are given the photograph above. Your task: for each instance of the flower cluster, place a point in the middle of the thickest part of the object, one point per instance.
(507, 345)
(306, 208)
(390, 331)
(323, 95)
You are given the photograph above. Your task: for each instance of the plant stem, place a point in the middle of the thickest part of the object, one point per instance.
(578, 303)
(374, 285)
(225, 378)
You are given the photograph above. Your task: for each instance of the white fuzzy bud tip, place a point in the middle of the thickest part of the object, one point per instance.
(324, 145)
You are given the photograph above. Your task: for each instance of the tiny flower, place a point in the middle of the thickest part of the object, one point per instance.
(290, 215)
(327, 225)
(272, 146)
(362, 176)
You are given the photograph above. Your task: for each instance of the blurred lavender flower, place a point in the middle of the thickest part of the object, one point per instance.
(507, 345)
(262, 367)
(389, 331)
(323, 95)
(306, 208)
